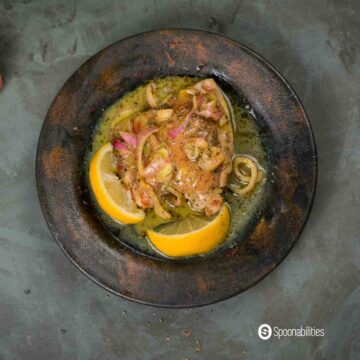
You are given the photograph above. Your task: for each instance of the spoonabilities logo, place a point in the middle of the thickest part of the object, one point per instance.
(264, 331)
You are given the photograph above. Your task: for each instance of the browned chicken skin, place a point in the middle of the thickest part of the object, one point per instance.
(184, 144)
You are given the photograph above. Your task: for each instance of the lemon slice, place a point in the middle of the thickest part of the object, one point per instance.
(109, 192)
(191, 236)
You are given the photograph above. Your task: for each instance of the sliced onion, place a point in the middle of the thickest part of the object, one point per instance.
(178, 196)
(164, 114)
(165, 172)
(183, 97)
(175, 132)
(222, 101)
(161, 167)
(159, 210)
(154, 142)
(154, 167)
(120, 146)
(246, 160)
(142, 193)
(251, 180)
(130, 139)
(142, 137)
(210, 111)
(150, 98)
(209, 84)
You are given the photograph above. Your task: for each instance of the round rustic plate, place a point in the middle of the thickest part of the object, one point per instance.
(68, 126)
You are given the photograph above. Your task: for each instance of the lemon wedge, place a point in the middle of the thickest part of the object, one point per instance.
(109, 192)
(191, 236)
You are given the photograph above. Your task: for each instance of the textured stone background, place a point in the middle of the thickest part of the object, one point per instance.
(49, 310)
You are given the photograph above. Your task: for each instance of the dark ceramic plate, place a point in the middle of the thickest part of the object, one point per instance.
(121, 67)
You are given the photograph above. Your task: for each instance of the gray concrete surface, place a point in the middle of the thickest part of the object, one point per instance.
(49, 310)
